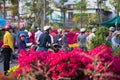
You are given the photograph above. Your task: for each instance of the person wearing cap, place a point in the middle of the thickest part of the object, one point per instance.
(111, 30)
(115, 41)
(22, 31)
(82, 39)
(91, 36)
(37, 35)
(21, 43)
(45, 40)
(8, 47)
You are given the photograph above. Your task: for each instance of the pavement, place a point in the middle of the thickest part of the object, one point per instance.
(11, 65)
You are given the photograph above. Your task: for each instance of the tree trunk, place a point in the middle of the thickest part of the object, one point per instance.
(98, 12)
(63, 16)
(81, 23)
(4, 2)
(18, 14)
(44, 13)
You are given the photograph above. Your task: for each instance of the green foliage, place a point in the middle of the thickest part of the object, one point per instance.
(100, 38)
(14, 9)
(80, 5)
(57, 25)
(115, 4)
(1, 35)
(115, 53)
(75, 29)
(14, 2)
(27, 27)
(63, 1)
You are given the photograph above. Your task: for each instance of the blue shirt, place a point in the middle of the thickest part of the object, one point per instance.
(115, 41)
(45, 40)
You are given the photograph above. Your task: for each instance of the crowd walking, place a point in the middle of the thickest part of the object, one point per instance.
(44, 40)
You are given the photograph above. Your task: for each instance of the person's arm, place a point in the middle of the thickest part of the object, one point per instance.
(78, 38)
(51, 45)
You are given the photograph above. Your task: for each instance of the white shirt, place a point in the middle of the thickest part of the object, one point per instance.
(37, 36)
(52, 40)
(89, 38)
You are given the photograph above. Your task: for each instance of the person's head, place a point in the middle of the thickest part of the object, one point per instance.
(59, 30)
(94, 30)
(9, 28)
(66, 33)
(116, 33)
(112, 29)
(22, 28)
(47, 29)
(82, 30)
(38, 28)
(22, 37)
(109, 34)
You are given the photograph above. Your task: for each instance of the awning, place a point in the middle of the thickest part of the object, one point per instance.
(111, 22)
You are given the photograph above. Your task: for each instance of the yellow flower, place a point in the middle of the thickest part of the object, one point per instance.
(75, 45)
(13, 69)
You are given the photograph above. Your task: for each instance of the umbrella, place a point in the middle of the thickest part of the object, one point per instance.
(2, 22)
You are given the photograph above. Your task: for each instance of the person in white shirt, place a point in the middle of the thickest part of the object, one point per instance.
(82, 39)
(92, 35)
(37, 35)
(115, 41)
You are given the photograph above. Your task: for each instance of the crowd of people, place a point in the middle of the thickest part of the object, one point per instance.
(45, 41)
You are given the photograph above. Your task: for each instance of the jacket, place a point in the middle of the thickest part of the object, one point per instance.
(8, 40)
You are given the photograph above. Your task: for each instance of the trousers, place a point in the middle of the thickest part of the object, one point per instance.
(7, 55)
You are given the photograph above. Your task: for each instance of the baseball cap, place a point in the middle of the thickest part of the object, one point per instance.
(47, 27)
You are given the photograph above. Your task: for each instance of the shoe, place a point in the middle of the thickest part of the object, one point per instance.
(5, 73)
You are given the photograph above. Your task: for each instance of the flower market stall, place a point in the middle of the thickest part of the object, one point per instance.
(97, 64)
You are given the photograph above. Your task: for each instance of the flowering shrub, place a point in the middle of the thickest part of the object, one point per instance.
(1, 43)
(72, 37)
(96, 64)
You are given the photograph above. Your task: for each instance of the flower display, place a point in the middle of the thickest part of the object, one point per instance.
(72, 37)
(97, 63)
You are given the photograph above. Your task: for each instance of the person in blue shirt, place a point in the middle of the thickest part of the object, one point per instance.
(45, 40)
(115, 41)
(22, 31)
